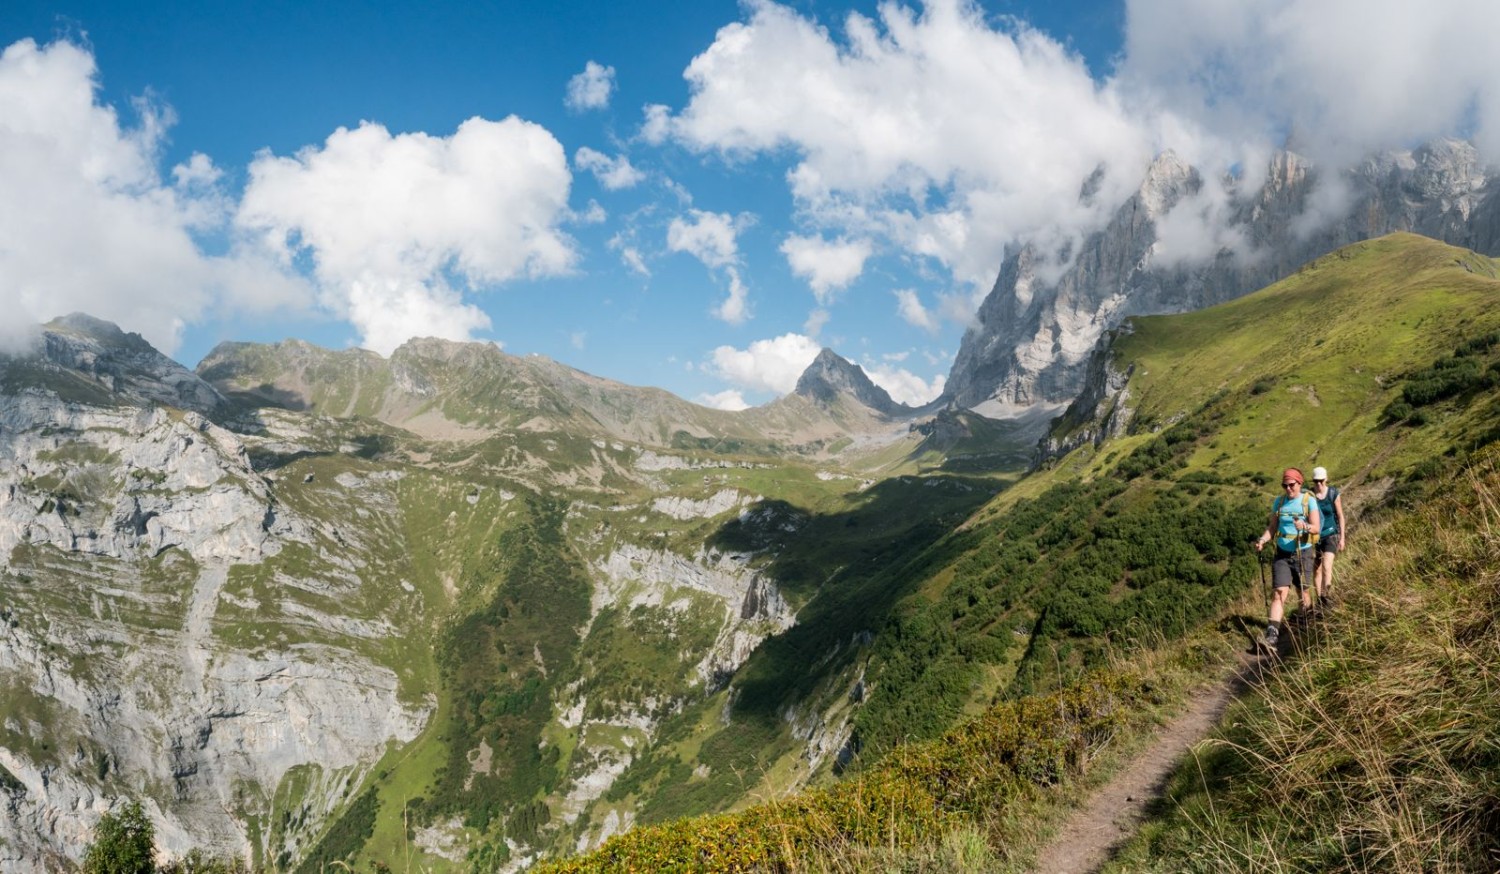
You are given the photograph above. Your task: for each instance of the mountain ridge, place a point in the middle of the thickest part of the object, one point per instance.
(1034, 335)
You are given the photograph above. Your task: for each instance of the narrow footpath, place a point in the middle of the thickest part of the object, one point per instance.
(1113, 814)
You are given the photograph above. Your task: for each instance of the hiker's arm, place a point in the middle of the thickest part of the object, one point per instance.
(1265, 536)
(1338, 510)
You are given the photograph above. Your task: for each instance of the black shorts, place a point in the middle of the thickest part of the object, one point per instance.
(1328, 543)
(1287, 568)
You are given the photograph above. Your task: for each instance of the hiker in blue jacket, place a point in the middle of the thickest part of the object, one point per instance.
(1294, 519)
(1331, 537)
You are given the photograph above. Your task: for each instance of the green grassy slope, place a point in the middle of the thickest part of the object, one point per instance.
(1377, 746)
(1111, 551)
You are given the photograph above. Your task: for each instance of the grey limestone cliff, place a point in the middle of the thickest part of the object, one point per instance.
(126, 527)
(1035, 331)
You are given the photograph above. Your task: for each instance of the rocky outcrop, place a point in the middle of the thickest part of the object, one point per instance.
(131, 482)
(1034, 332)
(1100, 412)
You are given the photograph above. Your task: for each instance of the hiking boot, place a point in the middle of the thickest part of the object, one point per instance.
(1267, 642)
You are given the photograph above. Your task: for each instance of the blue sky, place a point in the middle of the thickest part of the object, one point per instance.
(695, 196)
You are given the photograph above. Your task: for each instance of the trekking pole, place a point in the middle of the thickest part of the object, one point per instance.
(1260, 559)
(1305, 561)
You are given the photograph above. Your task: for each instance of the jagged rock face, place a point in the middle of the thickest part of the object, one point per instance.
(123, 527)
(830, 377)
(1033, 336)
(1100, 412)
(1027, 328)
(123, 364)
(130, 482)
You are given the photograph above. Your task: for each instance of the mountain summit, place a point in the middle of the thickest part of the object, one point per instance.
(1035, 331)
(85, 358)
(832, 376)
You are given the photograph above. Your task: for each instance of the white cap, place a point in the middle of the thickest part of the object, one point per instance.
(1320, 473)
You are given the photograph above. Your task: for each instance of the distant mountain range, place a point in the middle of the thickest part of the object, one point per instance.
(313, 606)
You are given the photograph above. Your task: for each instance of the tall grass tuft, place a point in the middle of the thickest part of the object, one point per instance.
(1377, 747)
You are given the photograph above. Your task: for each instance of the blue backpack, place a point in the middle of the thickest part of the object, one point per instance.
(1326, 509)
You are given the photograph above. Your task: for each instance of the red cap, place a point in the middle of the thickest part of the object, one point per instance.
(1291, 474)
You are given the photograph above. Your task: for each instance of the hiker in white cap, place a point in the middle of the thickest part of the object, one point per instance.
(1331, 537)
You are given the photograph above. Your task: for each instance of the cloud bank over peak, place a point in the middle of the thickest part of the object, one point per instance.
(87, 223)
(1342, 77)
(398, 226)
(943, 135)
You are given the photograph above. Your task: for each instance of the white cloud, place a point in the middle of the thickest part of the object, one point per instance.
(767, 365)
(708, 236)
(735, 309)
(657, 125)
(88, 224)
(827, 266)
(711, 237)
(938, 131)
(577, 339)
(197, 172)
(909, 305)
(613, 173)
(391, 223)
(592, 214)
(630, 255)
(1347, 76)
(903, 386)
(591, 88)
(729, 399)
(816, 321)
(950, 134)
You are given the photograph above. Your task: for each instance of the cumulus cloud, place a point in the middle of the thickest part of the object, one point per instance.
(909, 305)
(766, 365)
(87, 222)
(613, 173)
(591, 88)
(903, 386)
(711, 237)
(656, 125)
(949, 134)
(398, 227)
(729, 399)
(938, 131)
(827, 266)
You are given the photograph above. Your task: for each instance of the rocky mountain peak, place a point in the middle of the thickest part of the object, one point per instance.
(832, 376)
(1034, 332)
(96, 353)
(1166, 181)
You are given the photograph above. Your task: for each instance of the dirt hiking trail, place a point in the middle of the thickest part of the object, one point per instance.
(1113, 813)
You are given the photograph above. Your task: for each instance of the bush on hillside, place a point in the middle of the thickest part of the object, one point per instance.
(124, 843)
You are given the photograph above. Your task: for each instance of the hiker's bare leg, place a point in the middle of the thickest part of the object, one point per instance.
(1325, 576)
(1278, 605)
